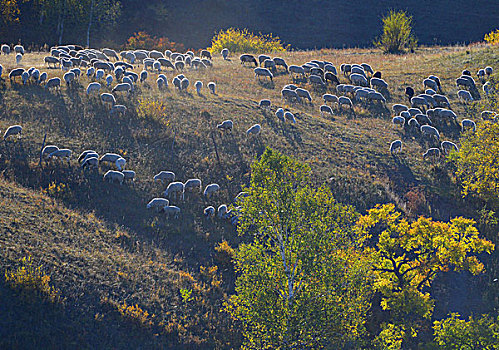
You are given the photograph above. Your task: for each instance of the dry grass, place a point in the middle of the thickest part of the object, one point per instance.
(99, 241)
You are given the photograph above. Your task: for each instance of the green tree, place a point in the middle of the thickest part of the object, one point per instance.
(476, 333)
(303, 281)
(478, 163)
(9, 15)
(408, 258)
(397, 33)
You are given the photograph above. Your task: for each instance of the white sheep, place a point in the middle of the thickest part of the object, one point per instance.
(198, 85)
(210, 189)
(302, 93)
(85, 153)
(417, 101)
(280, 114)
(99, 74)
(172, 210)
(212, 87)
(467, 123)
(158, 204)
(489, 70)
(109, 80)
(19, 49)
(432, 153)
(345, 101)
(61, 154)
(225, 53)
(398, 108)
(222, 211)
(125, 86)
(5, 49)
(330, 98)
(13, 130)
(69, 78)
(108, 98)
(209, 211)
(109, 158)
(91, 161)
(464, 96)
(226, 125)
(163, 176)
(325, 109)
(112, 176)
(174, 188)
(254, 130)
(184, 84)
(264, 104)
(263, 72)
(396, 147)
(378, 83)
(19, 57)
(290, 116)
(193, 184)
(120, 163)
(117, 109)
(398, 120)
(48, 149)
(448, 146)
(428, 130)
(95, 86)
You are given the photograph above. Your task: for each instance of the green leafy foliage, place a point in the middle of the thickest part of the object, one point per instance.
(243, 41)
(397, 33)
(303, 281)
(475, 333)
(409, 256)
(478, 163)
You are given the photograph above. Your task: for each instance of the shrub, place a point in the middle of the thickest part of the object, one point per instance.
(152, 109)
(136, 314)
(31, 278)
(476, 333)
(225, 254)
(142, 40)
(397, 33)
(492, 38)
(478, 163)
(242, 40)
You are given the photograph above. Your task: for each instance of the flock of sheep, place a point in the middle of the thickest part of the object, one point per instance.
(365, 87)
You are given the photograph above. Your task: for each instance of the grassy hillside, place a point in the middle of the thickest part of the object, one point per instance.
(103, 248)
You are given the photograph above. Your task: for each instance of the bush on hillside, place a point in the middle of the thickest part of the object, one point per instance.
(142, 40)
(397, 33)
(243, 41)
(492, 38)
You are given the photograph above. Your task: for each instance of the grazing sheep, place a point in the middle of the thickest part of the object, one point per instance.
(192, 185)
(414, 111)
(209, 211)
(325, 109)
(222, 211)
(441, 100)
(264, 104)
(19, 57)
(129, 175)
(184, 84)
(406, 115)
(378, 83)
(19, 49)
(467, 123)
(481, 75)
(345, 101)
(396, 147)
(263, 72)
(330, 98)
(109, 80)
(428, 130)
(263, 58)
(302, 93)
(90, 161)
(198, 85)
(15, 73)
(69, 78)
(25, 77)
(48, 149)
(409, 92)
(430, 83)
(329, 76)
(290, 95)
(413, 123)
(367, 68)
(448, 146)
(316, 80)
(107, 97)
(174, 188)
(90, 71)
(330, 68)
(99, 74)
(160, 82)
(297, 70)
(422, 119)
(280, 114)
(43, 77)
(5, 49)
(432, 153)
(246, 58)
(120, 163)
(172, 210)
(179, 65)
(61, 154)
(143, 76)
(398, 108)
(205, 53)
(464, 96)
(358, 71)
(398, 120)
(254, 130)
(212, 87)
(53, 83)
(13, 130)
(376, 96)
(112, 176)
(158, 204)
(164, 176)
(109, 158)
(466, 81)
(93, 87)
(430, 92)
(489, 70)
(210, 189)
(269, 64)
(225, 53)
(290, 116)
(419, 101)
(90, 156)
(126, 87)
(226, 125)
(278, 61)
(84, 154)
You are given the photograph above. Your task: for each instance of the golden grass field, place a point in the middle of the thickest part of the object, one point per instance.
(101, 246)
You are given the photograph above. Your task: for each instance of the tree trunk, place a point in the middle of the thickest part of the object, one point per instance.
(61, 23)
(90, 22)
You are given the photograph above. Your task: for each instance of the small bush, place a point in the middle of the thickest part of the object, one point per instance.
(58, 190)
(243, 41)
(224, 255)
(492, 38)
(135, 314)
(142, 40)
(397, 33)
(31, 278)
(152, 109)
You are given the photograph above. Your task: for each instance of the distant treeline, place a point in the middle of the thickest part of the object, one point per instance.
(303, 24)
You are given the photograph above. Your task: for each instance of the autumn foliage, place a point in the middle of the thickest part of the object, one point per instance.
(143, 40)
